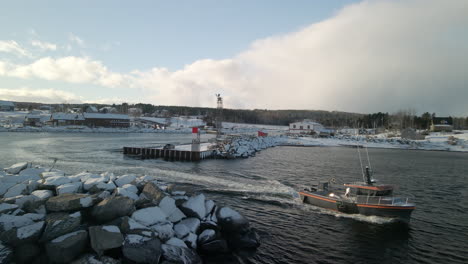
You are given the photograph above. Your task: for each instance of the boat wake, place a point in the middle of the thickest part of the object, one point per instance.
(362, 218)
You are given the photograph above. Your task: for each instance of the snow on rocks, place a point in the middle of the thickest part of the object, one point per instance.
(246, 146)
(195, 206)
(143, 220)
(125, 179)
(149, 216)
(16, 168)
(72, 187)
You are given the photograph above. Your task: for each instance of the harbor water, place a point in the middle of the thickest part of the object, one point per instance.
(263, 188)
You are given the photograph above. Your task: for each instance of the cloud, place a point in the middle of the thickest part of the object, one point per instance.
(76, 40)
(69, 69)
(11, 46)
(371, 56)
(26, 94)
(44, 45)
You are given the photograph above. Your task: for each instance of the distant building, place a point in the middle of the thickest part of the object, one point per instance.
(108, 110)
(36, 118)
(66, 119)
(106, 120)
(7, 106)
(46, 107)
(442, 124)
(305, 127)
(91, 109)
(159, 123)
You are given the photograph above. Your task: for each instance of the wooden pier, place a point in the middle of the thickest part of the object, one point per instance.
(168, 154)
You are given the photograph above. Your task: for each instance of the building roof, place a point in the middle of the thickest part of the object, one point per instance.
(105, 116)
(157, 120)
(307, 122)
(7, 103)
(67, 116)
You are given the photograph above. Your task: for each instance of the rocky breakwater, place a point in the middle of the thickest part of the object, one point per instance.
(48, 217)
(245, 146)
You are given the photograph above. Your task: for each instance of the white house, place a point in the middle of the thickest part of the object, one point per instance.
(305, 127)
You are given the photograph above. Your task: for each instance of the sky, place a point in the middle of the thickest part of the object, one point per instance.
(355, 56)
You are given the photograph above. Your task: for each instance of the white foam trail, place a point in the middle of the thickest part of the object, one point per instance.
(363, 218)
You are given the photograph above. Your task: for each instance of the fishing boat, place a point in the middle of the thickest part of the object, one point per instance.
(367, 198)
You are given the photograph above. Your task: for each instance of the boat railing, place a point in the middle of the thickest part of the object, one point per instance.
(384, 200)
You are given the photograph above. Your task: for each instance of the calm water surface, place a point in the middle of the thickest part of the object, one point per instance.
(263, 189)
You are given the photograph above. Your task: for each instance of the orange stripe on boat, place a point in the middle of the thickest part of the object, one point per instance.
(318, 197)
(387, 207)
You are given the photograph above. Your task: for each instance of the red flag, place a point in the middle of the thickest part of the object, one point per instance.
(194, 130)
(262, 134)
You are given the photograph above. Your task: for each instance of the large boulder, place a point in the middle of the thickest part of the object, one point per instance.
(191, 240)
(16, 168)
(8, 222)
(176, 242)
(153, 193)
(149, 216)
(130, 226)
(16, 190)
(31, 173)
(169, 207)
(215, 246)
(58, 224)
(64, 249)
(22, 235)
(183, 255)
(69, 202)
(5, 186)
(140, 249)
(231, 221)
(125, 193)
(206, 236)
(194, 207)
(6, 208)
(124, 179)
(164, 230)
(105, 237)
(249, 239)
(192, 223)
(94, 259)
(112, 207)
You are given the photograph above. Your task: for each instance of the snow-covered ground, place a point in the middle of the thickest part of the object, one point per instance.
(252, 128)
(85, 129)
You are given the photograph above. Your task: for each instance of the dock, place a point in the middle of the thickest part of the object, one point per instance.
(179, 153)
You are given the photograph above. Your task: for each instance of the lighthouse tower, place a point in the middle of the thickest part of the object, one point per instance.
(195, 139)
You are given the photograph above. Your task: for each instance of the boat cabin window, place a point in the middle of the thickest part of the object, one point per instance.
(384, 193)
(365, 192)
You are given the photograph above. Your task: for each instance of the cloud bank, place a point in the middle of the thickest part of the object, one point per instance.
(371, 56)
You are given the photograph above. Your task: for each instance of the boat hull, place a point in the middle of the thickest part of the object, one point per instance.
(400, 213)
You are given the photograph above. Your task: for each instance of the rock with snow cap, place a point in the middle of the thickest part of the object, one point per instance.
(22, 235)
(175, 254)
(72, 187)
(47, 174)
(176, 242)
(140, 249)
(149, 216)
(231, 221)
(206, 236)
(16, 168)
(181, 230)
(123, 192)
(124, 179)
(164, 230)
(8, 221)
(105, 237)
(191, 240)
(58, 224)
(4, 186)
(65, 248)
(130, 188)
(31, 173)
(69, 202)
(56, 181)
(192, 223)
(209, 206)
(90, 182)
(194, 207)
